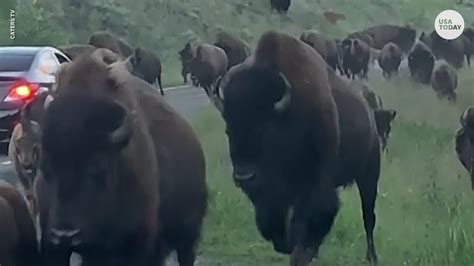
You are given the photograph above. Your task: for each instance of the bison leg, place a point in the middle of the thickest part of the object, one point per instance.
(158, 81)
(368, 195)
(184, 74)
(313, 218)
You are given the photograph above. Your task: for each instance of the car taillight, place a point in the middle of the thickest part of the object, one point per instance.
(22, 91)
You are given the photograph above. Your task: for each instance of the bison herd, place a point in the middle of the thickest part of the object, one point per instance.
(107, 169)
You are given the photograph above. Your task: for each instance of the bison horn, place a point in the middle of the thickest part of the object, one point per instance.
(47, 101)
(285, 100)
(120, 136)
(464, 117)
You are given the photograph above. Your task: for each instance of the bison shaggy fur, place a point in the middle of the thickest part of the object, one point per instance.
(236, 50)
(444, 82)
(18, 245)
(389, 59)
(355, 58)
(421, 63)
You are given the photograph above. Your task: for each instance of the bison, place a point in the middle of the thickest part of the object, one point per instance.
(74, 50)
(453, 51)
(147, 66)
(355, 58)
(186, 55)
(464, 142)
(421, 63)
(209, 63)
(330, 50)
(18, 245)
(104, 39)
(296, 132)
(281, 6)
(444, 82)
(380, 35)
(236, 50)
(383, 117)
(124, 198)
(389, 59)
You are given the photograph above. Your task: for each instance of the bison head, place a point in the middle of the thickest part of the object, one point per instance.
(83, 137)
(383, 120)
(257, 103)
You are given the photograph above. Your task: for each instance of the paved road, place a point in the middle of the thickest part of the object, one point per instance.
(187, 100)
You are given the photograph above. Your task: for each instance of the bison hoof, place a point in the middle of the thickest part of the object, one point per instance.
(372, 258)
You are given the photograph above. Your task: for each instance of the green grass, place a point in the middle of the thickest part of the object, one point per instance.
(424, 209)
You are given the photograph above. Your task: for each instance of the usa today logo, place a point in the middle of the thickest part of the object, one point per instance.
(449, 24)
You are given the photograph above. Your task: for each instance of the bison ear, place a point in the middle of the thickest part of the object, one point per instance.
(120, 137)
(463, 118)
(282, 105)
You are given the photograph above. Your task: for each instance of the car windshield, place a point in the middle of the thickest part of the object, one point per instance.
(15, 62)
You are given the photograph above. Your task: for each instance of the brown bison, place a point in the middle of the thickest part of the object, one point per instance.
(281, 6)
(236, 50)
(453, 51)
(104, 39)
(285, 91)
(74, 50)
(124, 198)
(330, 50)
(147, 66)
(209, 63)
(355, 58)
(421, 63)
(363, 36)
(383, 117)
(18, 245)
(186, 55)
(389, 59)
(464, 145)
(444, 82)
(404, 37)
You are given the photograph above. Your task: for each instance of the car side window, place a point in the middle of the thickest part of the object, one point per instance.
(61, 58)
(48, 64)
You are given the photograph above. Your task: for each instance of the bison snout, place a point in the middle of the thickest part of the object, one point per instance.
(70, 238)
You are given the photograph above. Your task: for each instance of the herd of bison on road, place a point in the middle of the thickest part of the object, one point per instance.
(110, 171)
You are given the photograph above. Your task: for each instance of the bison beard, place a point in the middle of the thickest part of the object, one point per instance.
(277, 174)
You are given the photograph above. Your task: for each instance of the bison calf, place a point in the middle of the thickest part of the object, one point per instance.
(18, 245)
(389, 59)
(444, 82)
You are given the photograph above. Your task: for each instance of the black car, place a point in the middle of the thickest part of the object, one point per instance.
(24, 73)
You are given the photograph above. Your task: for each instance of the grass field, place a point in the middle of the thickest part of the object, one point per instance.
(424, 209)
